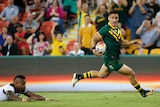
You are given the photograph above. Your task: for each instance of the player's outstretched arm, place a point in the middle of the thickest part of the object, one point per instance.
(12, 97)
(34, 96)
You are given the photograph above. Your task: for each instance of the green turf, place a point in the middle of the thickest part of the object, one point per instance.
(90, 99)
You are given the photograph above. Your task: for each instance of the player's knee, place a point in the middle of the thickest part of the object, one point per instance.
(132, 73)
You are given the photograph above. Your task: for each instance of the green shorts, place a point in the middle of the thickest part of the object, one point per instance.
(113, 64)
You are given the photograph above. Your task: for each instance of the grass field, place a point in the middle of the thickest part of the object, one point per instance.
(90, 99)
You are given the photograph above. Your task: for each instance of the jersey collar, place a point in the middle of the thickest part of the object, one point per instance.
(111, 25)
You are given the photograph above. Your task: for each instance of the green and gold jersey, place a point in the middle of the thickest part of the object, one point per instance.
(112, 37)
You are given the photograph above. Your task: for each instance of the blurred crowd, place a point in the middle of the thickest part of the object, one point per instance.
(21, 22)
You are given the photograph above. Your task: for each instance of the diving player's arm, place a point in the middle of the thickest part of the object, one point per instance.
(34, 96)
(12, 97)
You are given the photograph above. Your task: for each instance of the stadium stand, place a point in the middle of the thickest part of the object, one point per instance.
(2, 6)
(70, 45)
(155, 51)
(24, 16)
(46, 27)
(2, 24)
(5, 2)
(136, 52)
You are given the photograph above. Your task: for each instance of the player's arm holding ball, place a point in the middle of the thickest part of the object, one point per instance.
(96, 38)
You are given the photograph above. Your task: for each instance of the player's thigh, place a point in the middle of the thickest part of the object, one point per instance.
(126, 70)
(104, 71)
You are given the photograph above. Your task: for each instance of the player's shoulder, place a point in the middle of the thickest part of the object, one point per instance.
(105, 26)
(104, 29)
(8, 87)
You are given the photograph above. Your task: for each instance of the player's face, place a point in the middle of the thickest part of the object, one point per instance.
(113, 19)
(20, 84)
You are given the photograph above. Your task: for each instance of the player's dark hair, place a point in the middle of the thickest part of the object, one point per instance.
(19, 76)
(113, 12)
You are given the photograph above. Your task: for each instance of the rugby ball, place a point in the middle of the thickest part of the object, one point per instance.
(101, 47)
